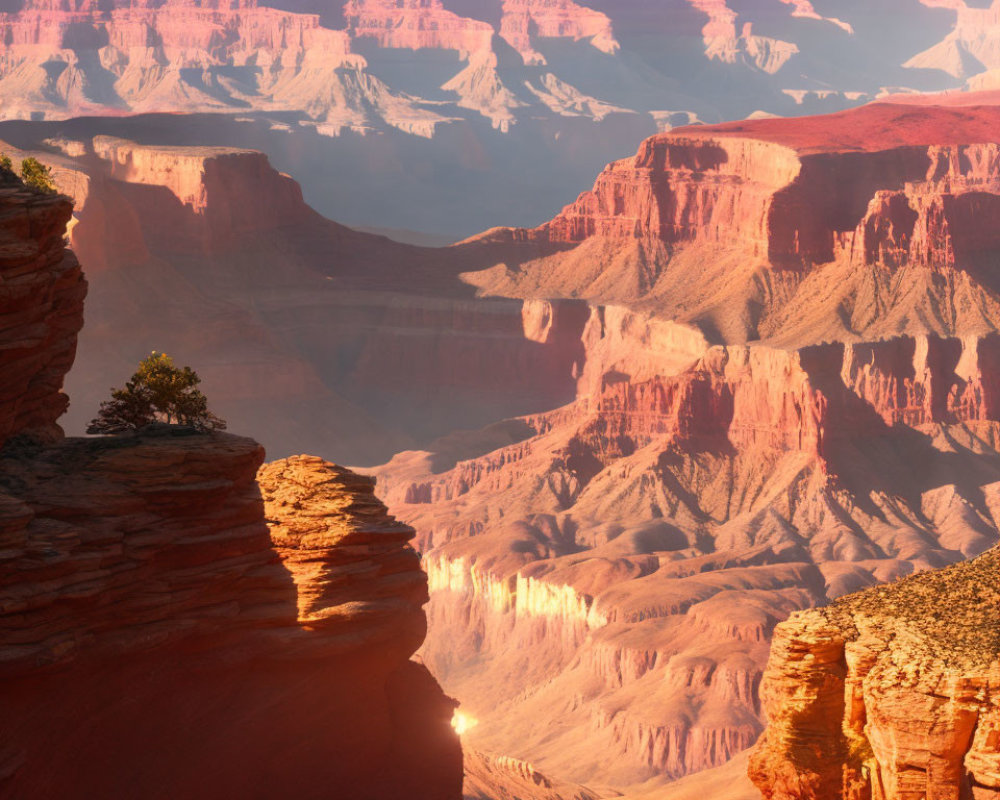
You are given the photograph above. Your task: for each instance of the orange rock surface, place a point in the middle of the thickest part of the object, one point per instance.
(891, 693)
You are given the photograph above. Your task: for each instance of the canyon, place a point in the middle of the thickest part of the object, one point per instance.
(629, 443)
(784, 318)
(751, 372)
(302, 329)
(356, 91)
(161, 599)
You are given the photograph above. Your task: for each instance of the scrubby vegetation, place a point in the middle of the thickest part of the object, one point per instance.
(37, 176)
(956, 610)
(159, 391)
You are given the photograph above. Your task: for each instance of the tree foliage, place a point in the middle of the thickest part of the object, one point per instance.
(38, 176)
(6, 163)
(159, 391)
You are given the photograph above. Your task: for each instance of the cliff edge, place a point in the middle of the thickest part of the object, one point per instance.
(891, 693)
(154, 606)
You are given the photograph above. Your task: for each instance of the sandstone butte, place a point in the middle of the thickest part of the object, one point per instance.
(173, 625)
(890, 693)
(784, 318)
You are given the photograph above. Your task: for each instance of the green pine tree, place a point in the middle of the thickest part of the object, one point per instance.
(159, 391)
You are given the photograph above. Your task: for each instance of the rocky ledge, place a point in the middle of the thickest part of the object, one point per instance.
(890, 694)
(144, 609)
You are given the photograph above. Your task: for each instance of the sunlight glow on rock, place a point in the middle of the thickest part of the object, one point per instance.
(462, 722)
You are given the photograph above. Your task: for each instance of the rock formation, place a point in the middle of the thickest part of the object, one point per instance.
(629, 555)
(312, 333)
(63, 58)
(837, 228)
(739, 345)
(41, 308)
(147, 609)
(644, 542)
(464, 87)
(890, 693)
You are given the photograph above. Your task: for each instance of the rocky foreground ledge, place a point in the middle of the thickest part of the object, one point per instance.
(892, 693)
(154, 607)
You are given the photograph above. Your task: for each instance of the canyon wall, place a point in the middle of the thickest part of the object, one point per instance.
(320, 337)
(154, 604)
(350, 93)
(628, 556)
(891, 693)
(818, 229)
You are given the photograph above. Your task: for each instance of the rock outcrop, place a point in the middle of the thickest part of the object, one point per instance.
(891, 693)
(808, 230)
(41, 308)
(143, 599)
(148, 609)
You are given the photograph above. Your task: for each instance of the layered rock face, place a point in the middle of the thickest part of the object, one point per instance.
(41, 306)
(524, 20)
(153, 605)
(144, 599)
(463, 87)
(629, 555)
(416, 24)
(838, 228)
(891, 693)
(318, 336)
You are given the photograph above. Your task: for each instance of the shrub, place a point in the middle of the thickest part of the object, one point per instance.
(157, 392)
(38, 176)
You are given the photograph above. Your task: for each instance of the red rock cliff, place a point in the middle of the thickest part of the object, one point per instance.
(41, 308)
(794, 230)
(153, 604)
(145, 608)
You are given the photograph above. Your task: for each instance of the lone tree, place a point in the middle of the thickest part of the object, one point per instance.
(38, 176)
(158, 392)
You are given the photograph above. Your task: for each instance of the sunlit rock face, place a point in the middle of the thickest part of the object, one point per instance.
(796, 231)
(147, 591)
(643, 543)
(507, 59)
(787, 394)
(890, 693)
(352, 93)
